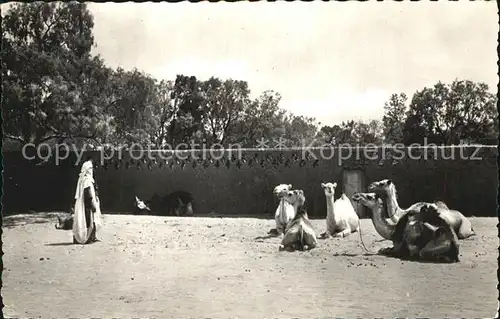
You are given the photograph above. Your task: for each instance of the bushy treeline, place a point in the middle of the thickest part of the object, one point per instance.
(55, 90)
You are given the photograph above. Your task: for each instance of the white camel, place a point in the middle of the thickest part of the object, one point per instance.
(281, 189)
(341, 218)
(386, 189)
(286, 210)
(294, 199)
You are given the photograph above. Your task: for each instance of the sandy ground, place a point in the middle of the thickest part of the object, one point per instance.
(160, 267)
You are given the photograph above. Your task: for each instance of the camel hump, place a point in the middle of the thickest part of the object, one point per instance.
(441, 204)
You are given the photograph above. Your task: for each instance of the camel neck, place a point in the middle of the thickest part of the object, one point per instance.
(381, 224)
(391, 203)
(330, 206)
(282, 205)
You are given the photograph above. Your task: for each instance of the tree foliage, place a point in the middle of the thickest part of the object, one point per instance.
(54, 89)
(394, 118)
(355, 133)
(47, 72)
(449, 114)
(224, 103)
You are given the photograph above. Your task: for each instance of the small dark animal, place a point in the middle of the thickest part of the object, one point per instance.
(154, 203)
(65, 222)
(179, 203)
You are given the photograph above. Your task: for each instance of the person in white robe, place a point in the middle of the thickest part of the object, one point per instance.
(87, 211)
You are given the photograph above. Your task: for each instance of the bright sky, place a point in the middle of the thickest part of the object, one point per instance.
(331, 60)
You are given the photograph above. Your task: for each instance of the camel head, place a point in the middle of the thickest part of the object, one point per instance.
(368, 200)
(441, 205)
(300, 198)
(429, 211)
(329, 189)
(295, 196)
(382, 188)
(282, 189)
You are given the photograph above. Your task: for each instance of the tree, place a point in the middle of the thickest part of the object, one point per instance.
(187, 100)
(394, 118)
(162, 114)
(352, 133)
(223, 106)
(46, 70)
(261, 118)
(133, 105)
(370, 133)
(448, 114)
(300, 130)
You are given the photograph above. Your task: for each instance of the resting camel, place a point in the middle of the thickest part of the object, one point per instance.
(425, 235)
(286, 210)
(299, 232)
(386, 189)
(341, 218)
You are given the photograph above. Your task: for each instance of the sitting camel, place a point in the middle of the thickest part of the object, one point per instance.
(425, 235)
(286, 210)
(341, 218)
(299, 232)
(387, 191)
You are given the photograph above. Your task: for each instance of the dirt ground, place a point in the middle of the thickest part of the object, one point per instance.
(160, 267)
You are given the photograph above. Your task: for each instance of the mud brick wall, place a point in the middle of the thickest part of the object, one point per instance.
(243, 186)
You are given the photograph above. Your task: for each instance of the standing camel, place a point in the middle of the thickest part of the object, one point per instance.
(386, 189)
(341, 218)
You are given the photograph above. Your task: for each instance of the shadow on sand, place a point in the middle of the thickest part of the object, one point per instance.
(60, 244)
(265, 237)
(19, 220)
(355, 255)
(419, 260)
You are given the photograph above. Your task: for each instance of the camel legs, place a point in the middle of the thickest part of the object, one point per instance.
(291, 239)
(396, 251)
(309, 238)
(343, 233)
(291, 236)
(442, 251)
(325, 235)
(443, 248)
(280, 231)
(465, 230)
